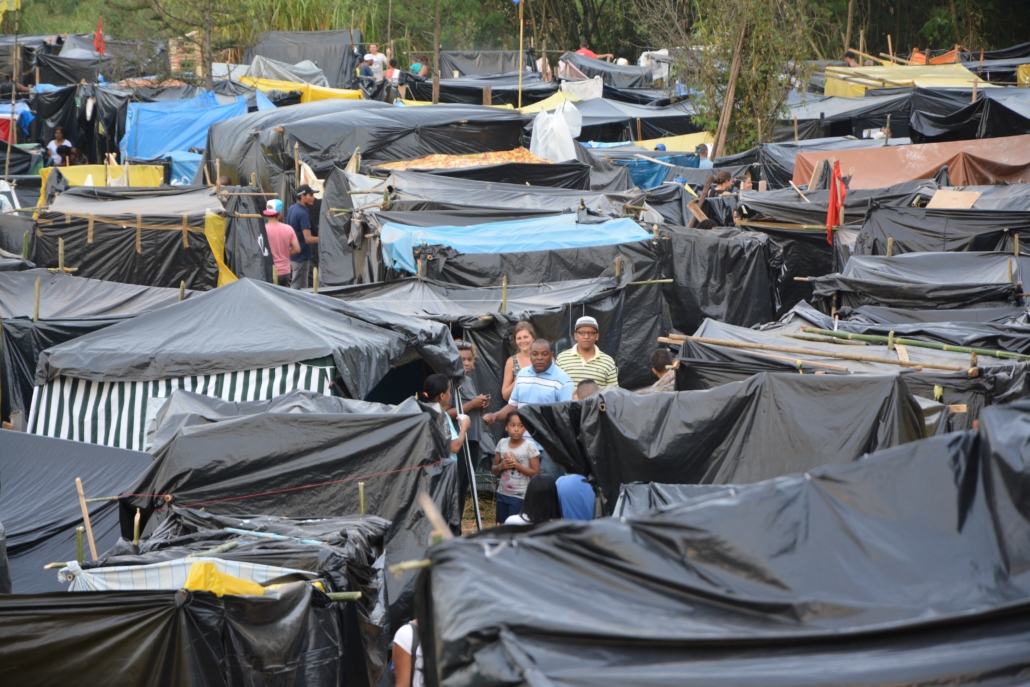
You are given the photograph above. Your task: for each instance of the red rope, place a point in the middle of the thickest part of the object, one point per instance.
(298, 488)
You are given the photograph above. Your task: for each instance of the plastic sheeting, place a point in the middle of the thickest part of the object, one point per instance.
(504, 89)
(334, 52)
(39, 508)
(924, 280)
(549, 233)
(640, 497)
(986, 118)
(153, 129)
(613, 74)
(901, 565)
(195, 637)
(922, 230)
(251, 325)
(484, 62)
(785, 205)
(315, 454)
(306, 71)
(611, 120)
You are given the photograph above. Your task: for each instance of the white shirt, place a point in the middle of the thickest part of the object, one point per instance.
(52, 149)
(379, 63)
(403, 639)
(517, 519)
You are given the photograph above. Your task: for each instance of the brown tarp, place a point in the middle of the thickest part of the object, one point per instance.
(981, 162)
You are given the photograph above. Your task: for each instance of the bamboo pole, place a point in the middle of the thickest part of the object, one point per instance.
(314, 279)
(182, 291)
(25, 245)
(85, 518)
(650, 281)
(504, 295)
(135, 528)
(522, 49)
(361, 496)
(60, 255)
(405, 566)
(344, 596)
(917, 343)
(221, 548)
(819, 354)
(79, 555)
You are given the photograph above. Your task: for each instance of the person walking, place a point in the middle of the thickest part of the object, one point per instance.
(585, 360)
(282, 241)
(299, 218)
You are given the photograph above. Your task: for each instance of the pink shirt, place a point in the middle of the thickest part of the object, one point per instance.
(280, 236)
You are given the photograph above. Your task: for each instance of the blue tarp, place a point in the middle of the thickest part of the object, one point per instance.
(543, 233)
(154, 129)
(184, 167)
(262, 101)
(649, 173)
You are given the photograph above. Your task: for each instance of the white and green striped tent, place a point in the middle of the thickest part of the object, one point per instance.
(118, 413)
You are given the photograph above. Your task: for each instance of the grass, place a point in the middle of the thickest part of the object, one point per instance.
(487, 510)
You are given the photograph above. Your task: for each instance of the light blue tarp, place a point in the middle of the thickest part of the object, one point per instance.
(153, 129)
(263, 103)
(184, 166)
(650, 173)
(543, 233)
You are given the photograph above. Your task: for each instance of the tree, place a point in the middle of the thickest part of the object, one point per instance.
(704, 36)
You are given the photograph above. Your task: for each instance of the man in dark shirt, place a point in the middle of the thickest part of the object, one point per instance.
(298, 217)
(366, 67)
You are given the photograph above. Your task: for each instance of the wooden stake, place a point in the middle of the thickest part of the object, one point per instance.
(433, 515)
(851, 17)
(793, 186)
(182, 290)
(79, 556)
(522, 48)
(640, 136)
(361, 496)
(890, 246)
(85, 518)
(218, 175)
(60, 255)
(1015, 243)
(436, 89)
(504, 295)
(135, 528)
(488, 97)
(727, 106)
(35, 306)
(890, 47)
(314, 279)
(976, 80)
(296, 163)
(253, 179)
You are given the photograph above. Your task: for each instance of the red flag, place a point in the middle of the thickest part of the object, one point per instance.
(98, 37)
(837, 192)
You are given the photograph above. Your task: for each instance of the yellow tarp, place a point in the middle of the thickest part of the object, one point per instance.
(308, 93)
(923, 76)
(420, 103)
(139, 175)
(1023, 75)
(550, 102)
(214, 230)
(439, 161)
(205, 577)
(679, 144)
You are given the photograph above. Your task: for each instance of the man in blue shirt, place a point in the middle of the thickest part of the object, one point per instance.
(542, 382)
(299, 217)
(576, 497)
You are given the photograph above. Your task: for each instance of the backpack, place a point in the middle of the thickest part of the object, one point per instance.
(388, 679)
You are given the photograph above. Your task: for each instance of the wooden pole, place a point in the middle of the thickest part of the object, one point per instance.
(522, 51)
(433, 515)
(182, 290)
(727, 106)
(890, 246)
(314, 279)
(488, 96)
(361, 496)
(436, 89)
(296, 163)
(135, 527)
(60, 255)
(640, 135)
(916, 343)
(436, 50)
(504, 295)
(851, 18)
(35, 306)
(85, 518)
(79, 556)
(890, 47)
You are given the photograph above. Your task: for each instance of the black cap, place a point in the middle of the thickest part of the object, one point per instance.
(304, 188)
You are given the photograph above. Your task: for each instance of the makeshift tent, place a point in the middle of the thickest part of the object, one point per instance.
(305, 71)
(504, 88)
(10, 262)
(924, 230)
(196, 636)
(153, 237)
(54, 180)
(612, 74)
(153, 129)
(517, 166)
(308, 92)
(237, 154)
(818, 117)
(984, 161)
(68, 307)
(611, 120)
(906, 556)
(484, 62)
(742, 432)
(988, 117)
(786, 206)
(923, 280)
(315, 450)
(336, 53)
(637, 498)
(39, 509)
(258, 341)
(853, 81)
(28, 46)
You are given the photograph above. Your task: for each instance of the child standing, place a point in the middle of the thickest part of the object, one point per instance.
(516, 462)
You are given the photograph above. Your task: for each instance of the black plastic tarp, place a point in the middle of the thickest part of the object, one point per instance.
(638, 498)
(725, 274)
(193, 638)
(820, 116)
(922, 230)
(63, 71)
(236, 151)
(10, 262)
(908, 565)
(612, 74)
(484, 62)
(572, 174)
(869, 314)
(314, 456)
(611, 120)
(923, 280)
(53, 109)
(38, 505)
(247, 253)
(336, 52)
(131, 235)
(743, 432)
(986, 118)
(250, 325)
(785, 205)
(504, 89)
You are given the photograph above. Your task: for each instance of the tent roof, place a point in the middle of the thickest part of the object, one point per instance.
(253, 325)
(64, 296)
(130, 202)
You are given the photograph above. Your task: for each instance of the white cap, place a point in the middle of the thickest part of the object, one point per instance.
(368, 57)
(589, 321)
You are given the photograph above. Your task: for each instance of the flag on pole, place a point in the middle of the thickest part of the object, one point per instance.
(98, 37)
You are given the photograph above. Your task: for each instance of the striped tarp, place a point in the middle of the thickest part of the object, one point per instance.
(117, 413)
(164, 575)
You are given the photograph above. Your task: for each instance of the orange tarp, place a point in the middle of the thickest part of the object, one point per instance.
(949, 57)
(970, 163)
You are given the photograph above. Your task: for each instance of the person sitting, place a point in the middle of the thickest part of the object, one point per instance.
(77, 157)
(576, 497)
(661, 360)
(59, 140)
(585, 390)
(622, 60)
(523, 335)
(393, 73)
(64, 154)
(541, 503)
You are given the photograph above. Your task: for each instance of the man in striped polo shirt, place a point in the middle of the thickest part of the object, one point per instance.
(585, 360)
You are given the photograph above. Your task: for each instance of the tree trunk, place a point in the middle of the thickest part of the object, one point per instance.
(207, 56)
(851, 19)
(436, 39)
(954, 22)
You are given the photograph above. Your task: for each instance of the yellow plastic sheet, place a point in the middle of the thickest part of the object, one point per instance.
(139, 175)
(214, 230)
(1023, 75)
(923, 76)
(550, 102)
(205, 577)
(679, 144)
(421, 103)
(308, 93)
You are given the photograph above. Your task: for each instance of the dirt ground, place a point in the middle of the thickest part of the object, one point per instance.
(487, 510)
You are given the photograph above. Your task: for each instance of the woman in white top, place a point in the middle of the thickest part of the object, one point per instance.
(59, 140)
(408, 673)
(541, 503)
(437, 391)
(523, 335)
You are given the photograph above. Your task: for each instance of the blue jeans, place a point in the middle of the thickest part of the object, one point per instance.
(507, 506)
